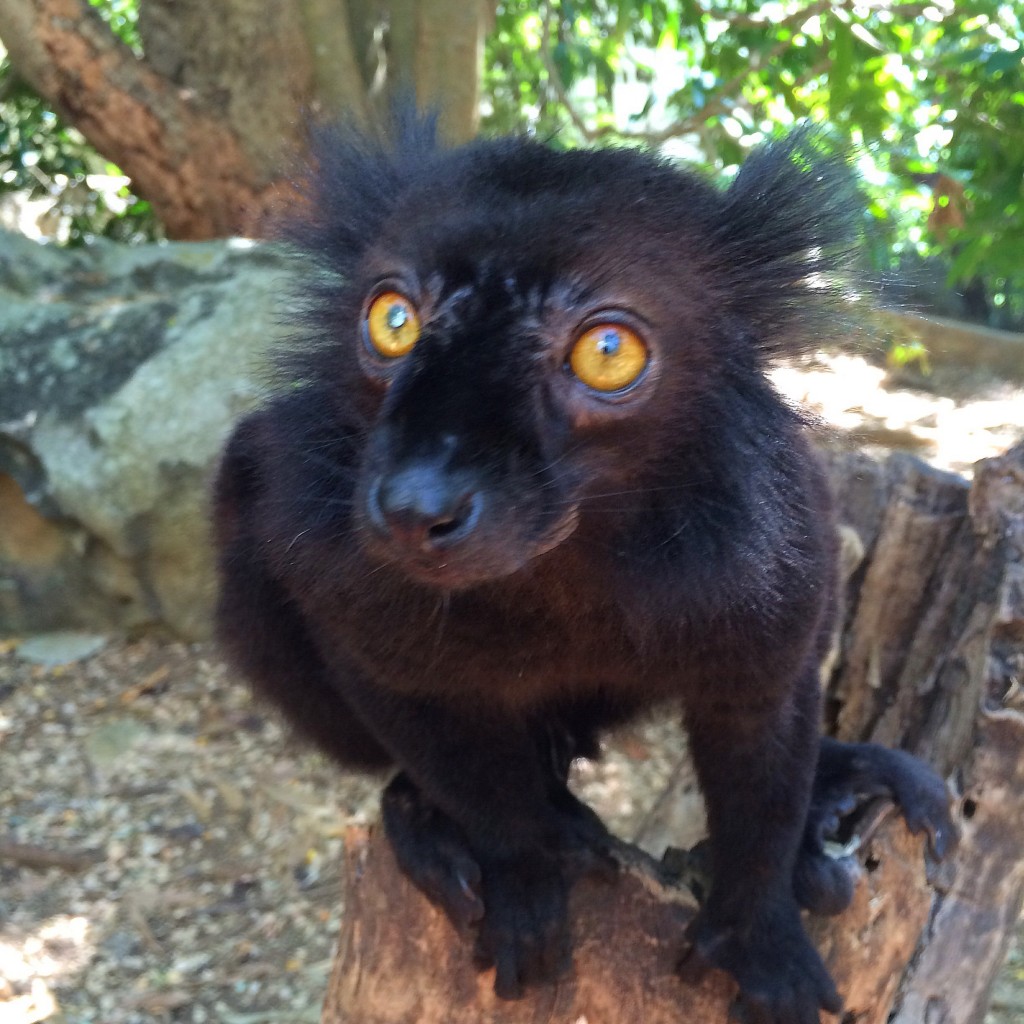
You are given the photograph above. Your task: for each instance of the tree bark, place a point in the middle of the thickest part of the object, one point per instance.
(930, 658)
(431, 49)
(247, 63)
(210, 121)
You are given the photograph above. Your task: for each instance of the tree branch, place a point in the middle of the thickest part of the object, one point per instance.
(185, 161)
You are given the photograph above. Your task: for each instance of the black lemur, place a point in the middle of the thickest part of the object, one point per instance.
(524, 477)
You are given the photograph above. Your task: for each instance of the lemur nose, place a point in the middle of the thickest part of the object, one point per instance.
(424, 507)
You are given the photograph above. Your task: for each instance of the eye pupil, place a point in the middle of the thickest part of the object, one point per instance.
(609, 343)
(398, 316)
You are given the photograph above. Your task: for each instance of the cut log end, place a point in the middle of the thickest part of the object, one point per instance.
(401, 962)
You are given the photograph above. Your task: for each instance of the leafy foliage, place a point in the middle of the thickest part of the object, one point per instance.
(122, 16)
(932, 94)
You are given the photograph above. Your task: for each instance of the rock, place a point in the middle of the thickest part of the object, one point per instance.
(121, 372)
(106, 745)
(61, 647)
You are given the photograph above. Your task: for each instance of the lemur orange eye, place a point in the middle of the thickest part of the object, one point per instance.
(608, 357)
(392, 325)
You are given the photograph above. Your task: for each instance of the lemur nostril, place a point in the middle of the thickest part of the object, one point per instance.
(440, 530)
(463, 518)
(461, 522)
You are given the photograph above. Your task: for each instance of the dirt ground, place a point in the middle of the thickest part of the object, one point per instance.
(168, 854)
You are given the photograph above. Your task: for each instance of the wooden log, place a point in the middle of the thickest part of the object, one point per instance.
(931, 659)
(401, 962)
(920, 609)
(978, 905)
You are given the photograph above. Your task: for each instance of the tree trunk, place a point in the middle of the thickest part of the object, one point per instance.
(428, 48)
(930, 659)
(209, 121)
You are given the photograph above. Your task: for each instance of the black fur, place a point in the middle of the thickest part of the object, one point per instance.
(553, 561)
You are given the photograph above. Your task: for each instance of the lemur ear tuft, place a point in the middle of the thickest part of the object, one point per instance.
(790, 226)
(352, 181)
